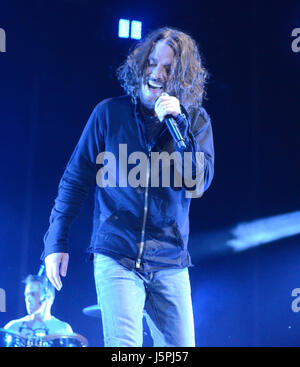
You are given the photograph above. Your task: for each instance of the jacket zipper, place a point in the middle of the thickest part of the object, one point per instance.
(139, 258)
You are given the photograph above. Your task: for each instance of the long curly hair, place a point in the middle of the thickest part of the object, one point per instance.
(187, 78)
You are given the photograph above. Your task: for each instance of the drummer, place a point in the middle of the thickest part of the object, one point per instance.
(39, 297)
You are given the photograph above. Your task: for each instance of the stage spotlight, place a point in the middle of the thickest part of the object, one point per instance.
(124, 28)
(136, 29)
(264, 230)
(132, 28)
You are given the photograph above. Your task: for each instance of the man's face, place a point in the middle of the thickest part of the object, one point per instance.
(32, 297)
(156, 74)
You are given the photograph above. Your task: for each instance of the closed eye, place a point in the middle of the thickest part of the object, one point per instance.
(151, 63)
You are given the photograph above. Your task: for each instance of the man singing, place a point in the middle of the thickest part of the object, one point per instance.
(140, 229)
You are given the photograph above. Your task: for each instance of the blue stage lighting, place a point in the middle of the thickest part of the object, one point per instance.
(136, 29)
(124, 28)
(264, 230)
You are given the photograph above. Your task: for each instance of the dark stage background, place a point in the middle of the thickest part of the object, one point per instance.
(60, 61)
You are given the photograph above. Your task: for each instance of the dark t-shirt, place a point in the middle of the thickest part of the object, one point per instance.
(152, 124)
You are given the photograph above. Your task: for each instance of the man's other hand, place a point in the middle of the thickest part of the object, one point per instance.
(56, 265)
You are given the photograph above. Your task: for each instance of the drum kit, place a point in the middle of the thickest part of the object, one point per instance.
(12, 339)
(9, 338)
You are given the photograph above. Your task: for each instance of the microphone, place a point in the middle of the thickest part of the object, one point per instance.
(41, 270)
(173, 128)
(174, 131)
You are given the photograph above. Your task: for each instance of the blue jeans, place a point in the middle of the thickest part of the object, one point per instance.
(124, 296)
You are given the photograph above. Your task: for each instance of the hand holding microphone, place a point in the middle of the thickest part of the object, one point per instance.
(167, 109)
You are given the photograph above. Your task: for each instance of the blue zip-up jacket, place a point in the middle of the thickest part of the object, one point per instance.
(141, 227)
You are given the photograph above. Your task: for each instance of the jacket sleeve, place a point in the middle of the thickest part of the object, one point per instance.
(198, 154)
(78, 177)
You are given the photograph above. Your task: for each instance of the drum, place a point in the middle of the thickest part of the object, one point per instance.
(57, 340)
(10, 338)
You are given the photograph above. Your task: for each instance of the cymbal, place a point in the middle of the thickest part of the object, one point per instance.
(93, 311)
